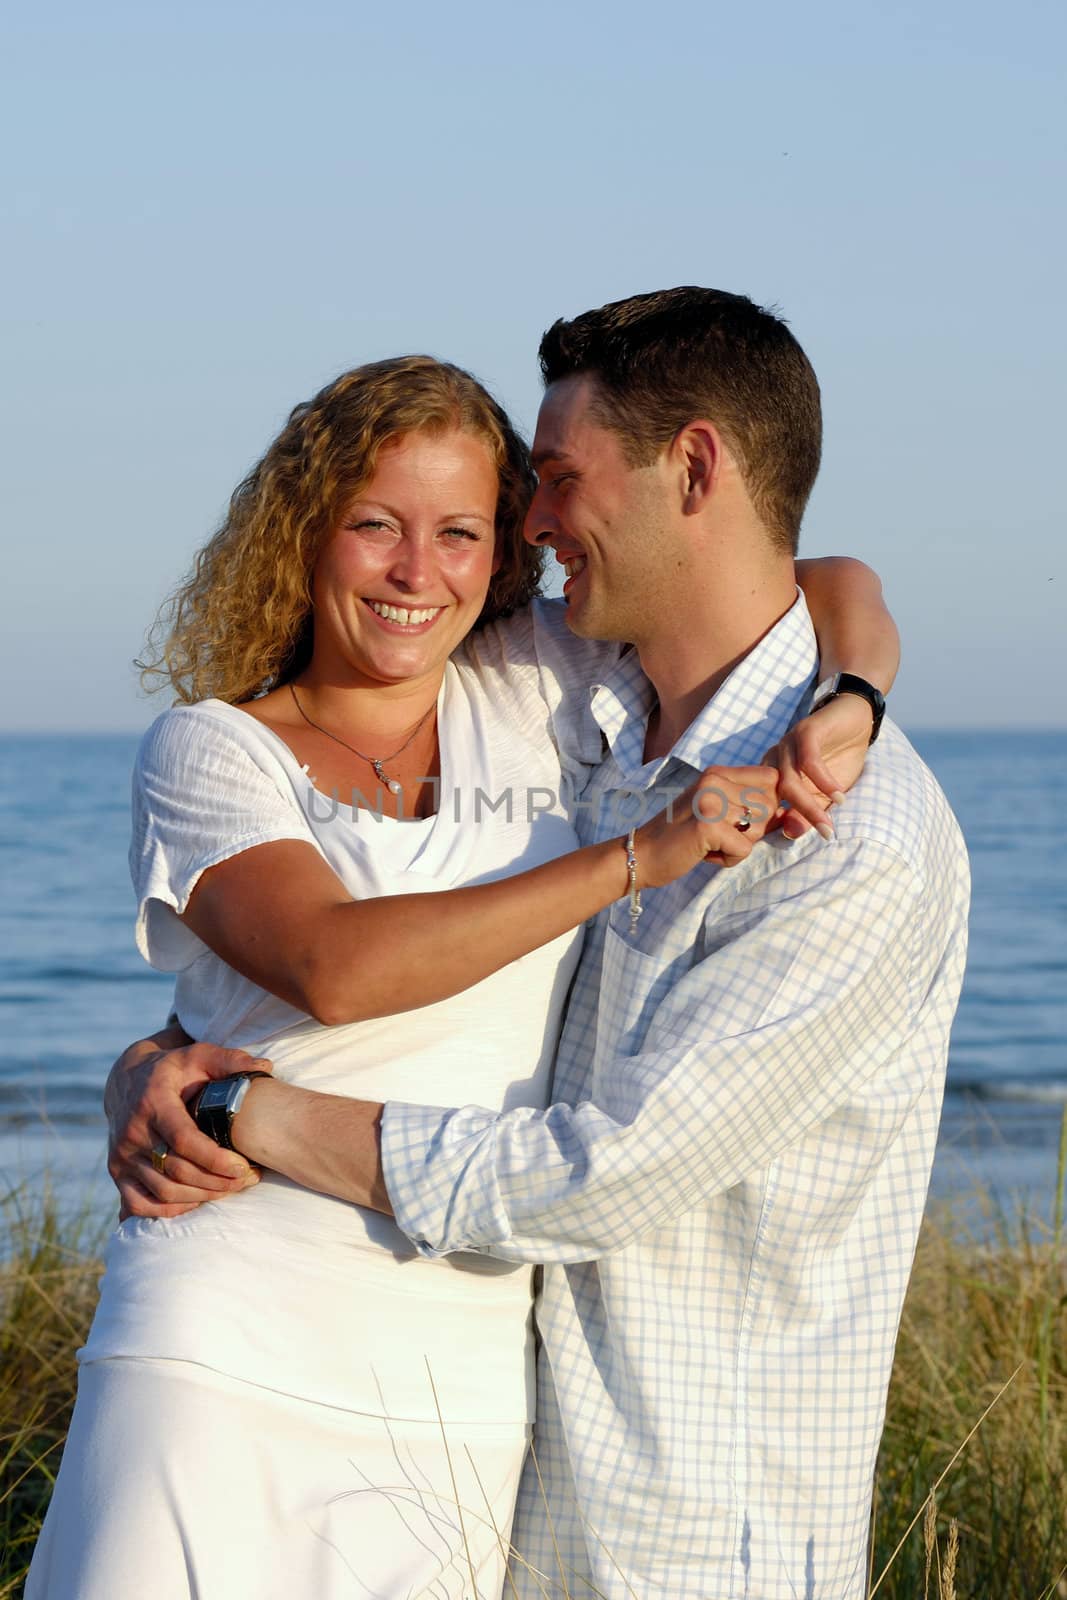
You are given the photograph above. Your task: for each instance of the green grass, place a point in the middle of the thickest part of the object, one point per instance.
(971, 1489)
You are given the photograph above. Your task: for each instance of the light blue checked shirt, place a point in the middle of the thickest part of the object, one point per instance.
(728, 1186)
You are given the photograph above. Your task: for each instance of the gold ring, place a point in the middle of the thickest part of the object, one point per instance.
(159, 1154)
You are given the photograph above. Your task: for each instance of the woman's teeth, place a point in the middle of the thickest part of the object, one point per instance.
(575, 565)
(401, 614)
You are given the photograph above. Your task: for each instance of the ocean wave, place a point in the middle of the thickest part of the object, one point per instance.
(1047, 1091)
(63, 1104)
(135, 972)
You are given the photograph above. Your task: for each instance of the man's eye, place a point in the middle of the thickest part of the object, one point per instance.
(560, 480)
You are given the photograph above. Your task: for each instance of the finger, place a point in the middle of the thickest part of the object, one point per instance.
(733, 848)
(795, 825)
(162, 1186)
(174, 1127)
(814, 768)
(765, 776)
(200, 1061)
(805, 802)
(723, 800)
(178, 1170)
(776, 821)
(138, 1202)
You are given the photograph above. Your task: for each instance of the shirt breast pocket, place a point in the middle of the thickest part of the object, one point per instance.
(632, 984)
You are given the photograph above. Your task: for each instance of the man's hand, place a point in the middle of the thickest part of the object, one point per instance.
(145, 1100)
(838, 733)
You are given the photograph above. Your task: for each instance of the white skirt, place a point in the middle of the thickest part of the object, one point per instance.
(183, 1484)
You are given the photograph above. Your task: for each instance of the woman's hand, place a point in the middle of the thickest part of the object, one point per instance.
(718, 818)
(818, 762)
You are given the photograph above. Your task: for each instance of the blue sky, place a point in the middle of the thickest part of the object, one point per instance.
(212, 210)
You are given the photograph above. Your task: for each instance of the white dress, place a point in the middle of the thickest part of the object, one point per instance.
(278, 1396)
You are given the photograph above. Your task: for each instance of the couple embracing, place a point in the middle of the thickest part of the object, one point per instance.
(711, 1124)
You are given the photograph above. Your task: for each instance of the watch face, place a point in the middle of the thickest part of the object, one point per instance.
(214, 1095)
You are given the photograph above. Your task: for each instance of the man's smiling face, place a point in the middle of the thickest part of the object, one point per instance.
(606, 520)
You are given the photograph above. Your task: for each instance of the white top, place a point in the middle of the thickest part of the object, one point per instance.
(728, 1187)
(242, 1284)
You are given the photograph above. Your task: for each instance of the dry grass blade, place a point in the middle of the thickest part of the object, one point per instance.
(501, 1541)
(455, 1485)
(951, 1557)
(548, 1518)
(1057, 1587)
(929, 1541)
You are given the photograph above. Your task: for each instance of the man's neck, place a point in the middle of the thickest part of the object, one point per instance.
(689, 663)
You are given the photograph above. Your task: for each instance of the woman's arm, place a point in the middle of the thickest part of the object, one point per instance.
(821, 758)
(279, 915)
(852, 622)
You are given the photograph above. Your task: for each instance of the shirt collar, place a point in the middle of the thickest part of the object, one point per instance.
(747, 714)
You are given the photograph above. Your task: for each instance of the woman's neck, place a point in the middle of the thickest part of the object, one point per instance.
(381, 713)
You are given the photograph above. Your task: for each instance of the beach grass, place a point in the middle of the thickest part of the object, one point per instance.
(976, 1421)
(971, 1488)
(49, 1272)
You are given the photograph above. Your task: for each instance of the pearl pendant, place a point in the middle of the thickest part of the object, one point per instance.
(392, 784)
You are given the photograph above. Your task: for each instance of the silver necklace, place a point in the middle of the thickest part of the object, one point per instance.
(377, 762)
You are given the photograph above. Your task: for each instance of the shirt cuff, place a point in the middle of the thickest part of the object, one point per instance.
(438, 1167)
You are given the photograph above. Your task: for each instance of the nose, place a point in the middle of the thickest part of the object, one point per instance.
(539, 525)
(414, 568)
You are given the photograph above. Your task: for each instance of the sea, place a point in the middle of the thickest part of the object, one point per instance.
(74, 991)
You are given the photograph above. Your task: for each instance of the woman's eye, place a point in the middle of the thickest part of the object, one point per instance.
(557, 483)
(462, 533)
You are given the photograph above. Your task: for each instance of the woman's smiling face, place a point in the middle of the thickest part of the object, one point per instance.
(403, 577)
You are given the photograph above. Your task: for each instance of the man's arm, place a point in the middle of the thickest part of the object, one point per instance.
(808, 990)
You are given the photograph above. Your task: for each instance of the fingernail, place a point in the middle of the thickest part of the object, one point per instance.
(237, 1169)
(838, 797)
(824, 830)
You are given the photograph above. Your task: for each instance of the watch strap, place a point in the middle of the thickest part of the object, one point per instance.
(851, 683)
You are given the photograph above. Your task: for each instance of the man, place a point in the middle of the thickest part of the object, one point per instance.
(727, 1190)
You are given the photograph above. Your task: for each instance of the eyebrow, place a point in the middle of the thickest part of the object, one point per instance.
(367, 503)
(550, 453)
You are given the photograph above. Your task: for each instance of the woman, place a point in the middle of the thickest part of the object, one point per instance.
(278, 1396)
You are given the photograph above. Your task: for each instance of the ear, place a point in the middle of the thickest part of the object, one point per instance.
(498, 557)
(698, 457)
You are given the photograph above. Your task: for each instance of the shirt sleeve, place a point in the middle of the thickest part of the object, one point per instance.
(201, 793)
(806, 989)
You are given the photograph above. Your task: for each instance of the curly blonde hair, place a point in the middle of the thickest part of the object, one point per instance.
(241, 623)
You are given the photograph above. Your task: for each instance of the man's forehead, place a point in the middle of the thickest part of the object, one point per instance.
(564, 418)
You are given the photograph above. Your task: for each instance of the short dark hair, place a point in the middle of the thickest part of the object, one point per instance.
(660, 360)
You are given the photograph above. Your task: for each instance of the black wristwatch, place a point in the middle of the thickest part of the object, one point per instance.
(848, 683)
(214, 1107)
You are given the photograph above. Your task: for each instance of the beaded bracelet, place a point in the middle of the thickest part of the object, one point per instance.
(635, 893)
